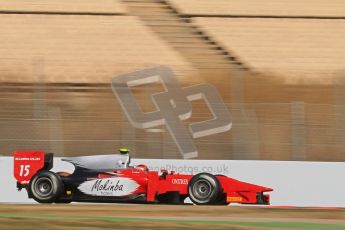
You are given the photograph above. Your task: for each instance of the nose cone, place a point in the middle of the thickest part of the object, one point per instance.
(265, 189)
(255, 188)
(237, 185)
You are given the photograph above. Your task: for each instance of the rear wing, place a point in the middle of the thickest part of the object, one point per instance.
(28, 163)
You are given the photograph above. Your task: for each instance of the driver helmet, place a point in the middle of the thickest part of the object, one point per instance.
(124, 150)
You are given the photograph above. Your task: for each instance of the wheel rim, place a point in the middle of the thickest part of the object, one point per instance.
(44, 187)
(202, 189)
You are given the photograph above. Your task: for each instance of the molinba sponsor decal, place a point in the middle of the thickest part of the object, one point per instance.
(109, 187)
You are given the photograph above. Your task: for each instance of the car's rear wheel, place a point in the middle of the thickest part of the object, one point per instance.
(204, 188)
(46, 187)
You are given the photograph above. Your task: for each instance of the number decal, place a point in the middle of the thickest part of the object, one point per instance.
(24, 170)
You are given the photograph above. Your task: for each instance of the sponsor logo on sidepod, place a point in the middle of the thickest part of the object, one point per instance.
(179, 181)
(109, 187)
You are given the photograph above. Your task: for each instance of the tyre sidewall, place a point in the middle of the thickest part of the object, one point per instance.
(216, 189)
(56, 183)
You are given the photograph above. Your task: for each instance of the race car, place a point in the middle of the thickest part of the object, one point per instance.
(110, 178)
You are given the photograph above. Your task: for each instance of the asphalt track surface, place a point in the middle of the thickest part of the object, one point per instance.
(114, 216)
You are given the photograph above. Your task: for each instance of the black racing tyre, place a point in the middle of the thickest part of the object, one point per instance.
(46, 187)
(222, 200)
(204, 188)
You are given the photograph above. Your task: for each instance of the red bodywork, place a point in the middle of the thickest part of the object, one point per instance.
(154, 184)
(151, 183)
(27, 164)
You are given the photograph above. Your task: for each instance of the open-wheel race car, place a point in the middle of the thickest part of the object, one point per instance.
(110, 178)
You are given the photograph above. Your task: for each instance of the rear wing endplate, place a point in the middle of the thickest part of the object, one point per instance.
(28, 163)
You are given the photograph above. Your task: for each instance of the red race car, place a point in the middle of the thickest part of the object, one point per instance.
(110, 178)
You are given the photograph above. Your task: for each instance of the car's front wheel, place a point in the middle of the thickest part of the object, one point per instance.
(204, 188)
(46, 187)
